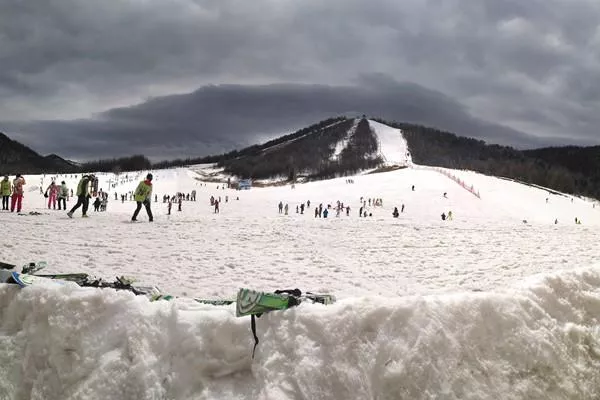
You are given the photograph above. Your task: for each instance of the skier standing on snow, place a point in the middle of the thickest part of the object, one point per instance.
(51, 193)
(17, 195)
(5, 192)
(63, 193)
(143, 195)
(83, 196)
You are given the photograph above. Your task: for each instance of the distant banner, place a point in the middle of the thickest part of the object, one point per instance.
(245, 184)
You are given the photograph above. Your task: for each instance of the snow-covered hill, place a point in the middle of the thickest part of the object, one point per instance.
(481, 306)
(392, 145)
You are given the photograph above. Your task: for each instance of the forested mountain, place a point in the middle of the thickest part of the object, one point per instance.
(315, 152)
(18, 158)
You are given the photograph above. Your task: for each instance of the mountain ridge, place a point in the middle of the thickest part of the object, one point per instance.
(315, 152)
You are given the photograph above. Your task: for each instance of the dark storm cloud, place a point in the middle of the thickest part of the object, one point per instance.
(214, 119)
(530, 65)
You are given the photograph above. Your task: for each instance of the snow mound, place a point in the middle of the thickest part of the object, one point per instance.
(537, 341)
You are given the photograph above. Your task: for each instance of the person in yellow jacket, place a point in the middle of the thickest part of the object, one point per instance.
(83, 195)
(143, 195)
(5, 192)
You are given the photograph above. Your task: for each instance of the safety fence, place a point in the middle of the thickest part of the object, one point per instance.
(450, 175)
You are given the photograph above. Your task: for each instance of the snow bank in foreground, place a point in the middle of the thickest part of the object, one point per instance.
(541, 341)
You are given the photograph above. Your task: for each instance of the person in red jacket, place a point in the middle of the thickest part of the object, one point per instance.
(17, 195)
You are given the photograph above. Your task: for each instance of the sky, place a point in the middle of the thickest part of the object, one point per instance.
(171, 78)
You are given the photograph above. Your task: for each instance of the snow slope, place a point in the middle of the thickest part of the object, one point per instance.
(392, 145)
(483, 306)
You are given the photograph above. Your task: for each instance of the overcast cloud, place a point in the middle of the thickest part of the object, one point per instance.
(76, 77)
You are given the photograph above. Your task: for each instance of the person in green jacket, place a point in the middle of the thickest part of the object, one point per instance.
(83, 195)
(5, 192)
(143, 195)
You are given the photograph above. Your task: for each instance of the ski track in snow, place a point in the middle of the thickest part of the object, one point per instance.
(483, 306)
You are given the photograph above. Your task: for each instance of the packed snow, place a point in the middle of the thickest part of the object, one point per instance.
(502, 301)
(392, 145)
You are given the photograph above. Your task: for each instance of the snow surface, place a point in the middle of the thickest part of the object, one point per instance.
(342, 144)
(392, 145)
(484, 306)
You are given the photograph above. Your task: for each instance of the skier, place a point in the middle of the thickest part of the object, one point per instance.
(402, 208)
(5, 192)
(63, 193)
(143, 195)
(17, 195)
(325, 212)
(97, 204)
(83, 196)
(217, 206)
(51, 193)
(395, 214)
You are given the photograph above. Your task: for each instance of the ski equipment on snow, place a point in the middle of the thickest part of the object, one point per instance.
(254, 303)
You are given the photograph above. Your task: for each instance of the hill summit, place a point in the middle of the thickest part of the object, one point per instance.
(331, 148)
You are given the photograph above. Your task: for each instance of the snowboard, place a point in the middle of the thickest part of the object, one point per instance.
(252, 302)
(255, 303)
(24, 280)
(30, 268)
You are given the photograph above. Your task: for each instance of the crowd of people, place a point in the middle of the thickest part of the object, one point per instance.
(58, 194)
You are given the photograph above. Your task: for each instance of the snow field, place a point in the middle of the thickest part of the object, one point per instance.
(483, 306)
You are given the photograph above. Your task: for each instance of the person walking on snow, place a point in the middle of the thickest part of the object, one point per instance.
(51, 193)
(83, 196)
(143, 195)
(5, 192)
(63, 193)
(17, 195)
